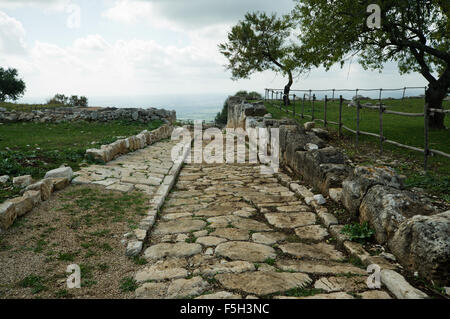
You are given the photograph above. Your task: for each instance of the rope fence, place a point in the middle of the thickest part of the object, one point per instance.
(308, 97)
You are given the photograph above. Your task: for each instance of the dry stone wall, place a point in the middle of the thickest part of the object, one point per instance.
(416, 233)
(71, 114)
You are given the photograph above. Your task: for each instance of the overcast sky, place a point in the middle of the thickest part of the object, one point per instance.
(145, 47)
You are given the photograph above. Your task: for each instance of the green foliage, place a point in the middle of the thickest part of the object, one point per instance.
(74, 100)
(33, 282)
(358, 232)
(303, 292)
(128, 284)
(222, 117)
(11, 87)
(438, 185)
(249, 95)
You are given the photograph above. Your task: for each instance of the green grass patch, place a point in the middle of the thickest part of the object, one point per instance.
(358, 232)
(34, 282)
(128, 284)
(303, 292)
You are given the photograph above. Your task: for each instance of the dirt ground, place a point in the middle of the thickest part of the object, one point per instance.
(81, 225)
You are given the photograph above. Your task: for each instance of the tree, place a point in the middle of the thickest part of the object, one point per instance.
(260, 43)
(11, 87)
(222, 117)
(415, 34)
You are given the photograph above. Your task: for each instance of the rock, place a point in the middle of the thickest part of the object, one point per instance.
(263, 282)
(183, 225)
(7, 215)
(62, 172)
(375, 294)
(231, 233)
(45, 186)
(320, 132)
(335, 194)
(60, 183)
(361, 179)
(290, 220)
(348, 284)
(152, 290)
(34, 196)
(268, 238)
(247, 251)
(320, 199)
(4, 179)
(210, 241)
(317, 251)
(319, 267)
(133, 248)
(385, 208)
(22, 181)
(180, 249)
(22, 205)
(310, 147)
(309, 125)
(184, 288)
(234, 267)
(220, 295)
(327, 218)
(162, 270)
(334, 295)
(398, 286)
(422, 244)
(313, 232)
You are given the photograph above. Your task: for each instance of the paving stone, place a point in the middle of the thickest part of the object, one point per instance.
(349, 284)
(210, 241)
(318, 251)
(319, 267)
(313, 232)
(181, 249)
(262, 283)
(290, 220)
(375, 294)
(293, 209)
(174, 216)
(182, 225)
(231, 233)
(234, 267)
(121, 187)
(183, 288)
(334, 295)
(220, 295)
(268, 238)
(238, 250)
(152, 290)
(162, 270)
(250, 225)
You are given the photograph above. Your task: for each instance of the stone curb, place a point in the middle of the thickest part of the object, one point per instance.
(135, 245)
(393, 281)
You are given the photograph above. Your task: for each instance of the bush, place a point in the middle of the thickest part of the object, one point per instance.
(74, 100)
(249, 95)
(222, 117)
(358, 232)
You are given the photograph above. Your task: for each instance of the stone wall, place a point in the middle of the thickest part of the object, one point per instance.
(70, 114)
(416, 233)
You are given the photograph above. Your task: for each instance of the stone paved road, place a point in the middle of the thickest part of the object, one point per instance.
(226, 231)
(142, 170)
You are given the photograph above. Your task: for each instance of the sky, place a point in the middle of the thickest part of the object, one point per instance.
(131, 48)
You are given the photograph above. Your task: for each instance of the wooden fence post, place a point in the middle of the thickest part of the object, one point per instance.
(325, 112)
(381, 123)
(341, 100)
(293, 106)
(358, 106)
(303, 106)
(426, 128)
(404, 91)
(312, 111)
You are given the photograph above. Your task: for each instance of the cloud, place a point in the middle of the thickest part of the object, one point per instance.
(180, 14)
(12, 35)
(48, 4)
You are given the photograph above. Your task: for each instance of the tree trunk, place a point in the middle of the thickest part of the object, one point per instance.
(434, 96)
(287, 89)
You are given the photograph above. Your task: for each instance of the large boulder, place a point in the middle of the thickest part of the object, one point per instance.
(385, 208)
(422, 244)
(361, 179)
(323, 168)
(62, 172)
(7, 215)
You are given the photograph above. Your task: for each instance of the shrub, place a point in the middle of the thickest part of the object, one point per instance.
(222, 117)
(358, 232)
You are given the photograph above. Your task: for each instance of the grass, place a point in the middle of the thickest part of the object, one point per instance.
(28, 107)
(128, 284)
(35, 148)
(358, 232)
(33, 282)
(405, 130)
(303, 292)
